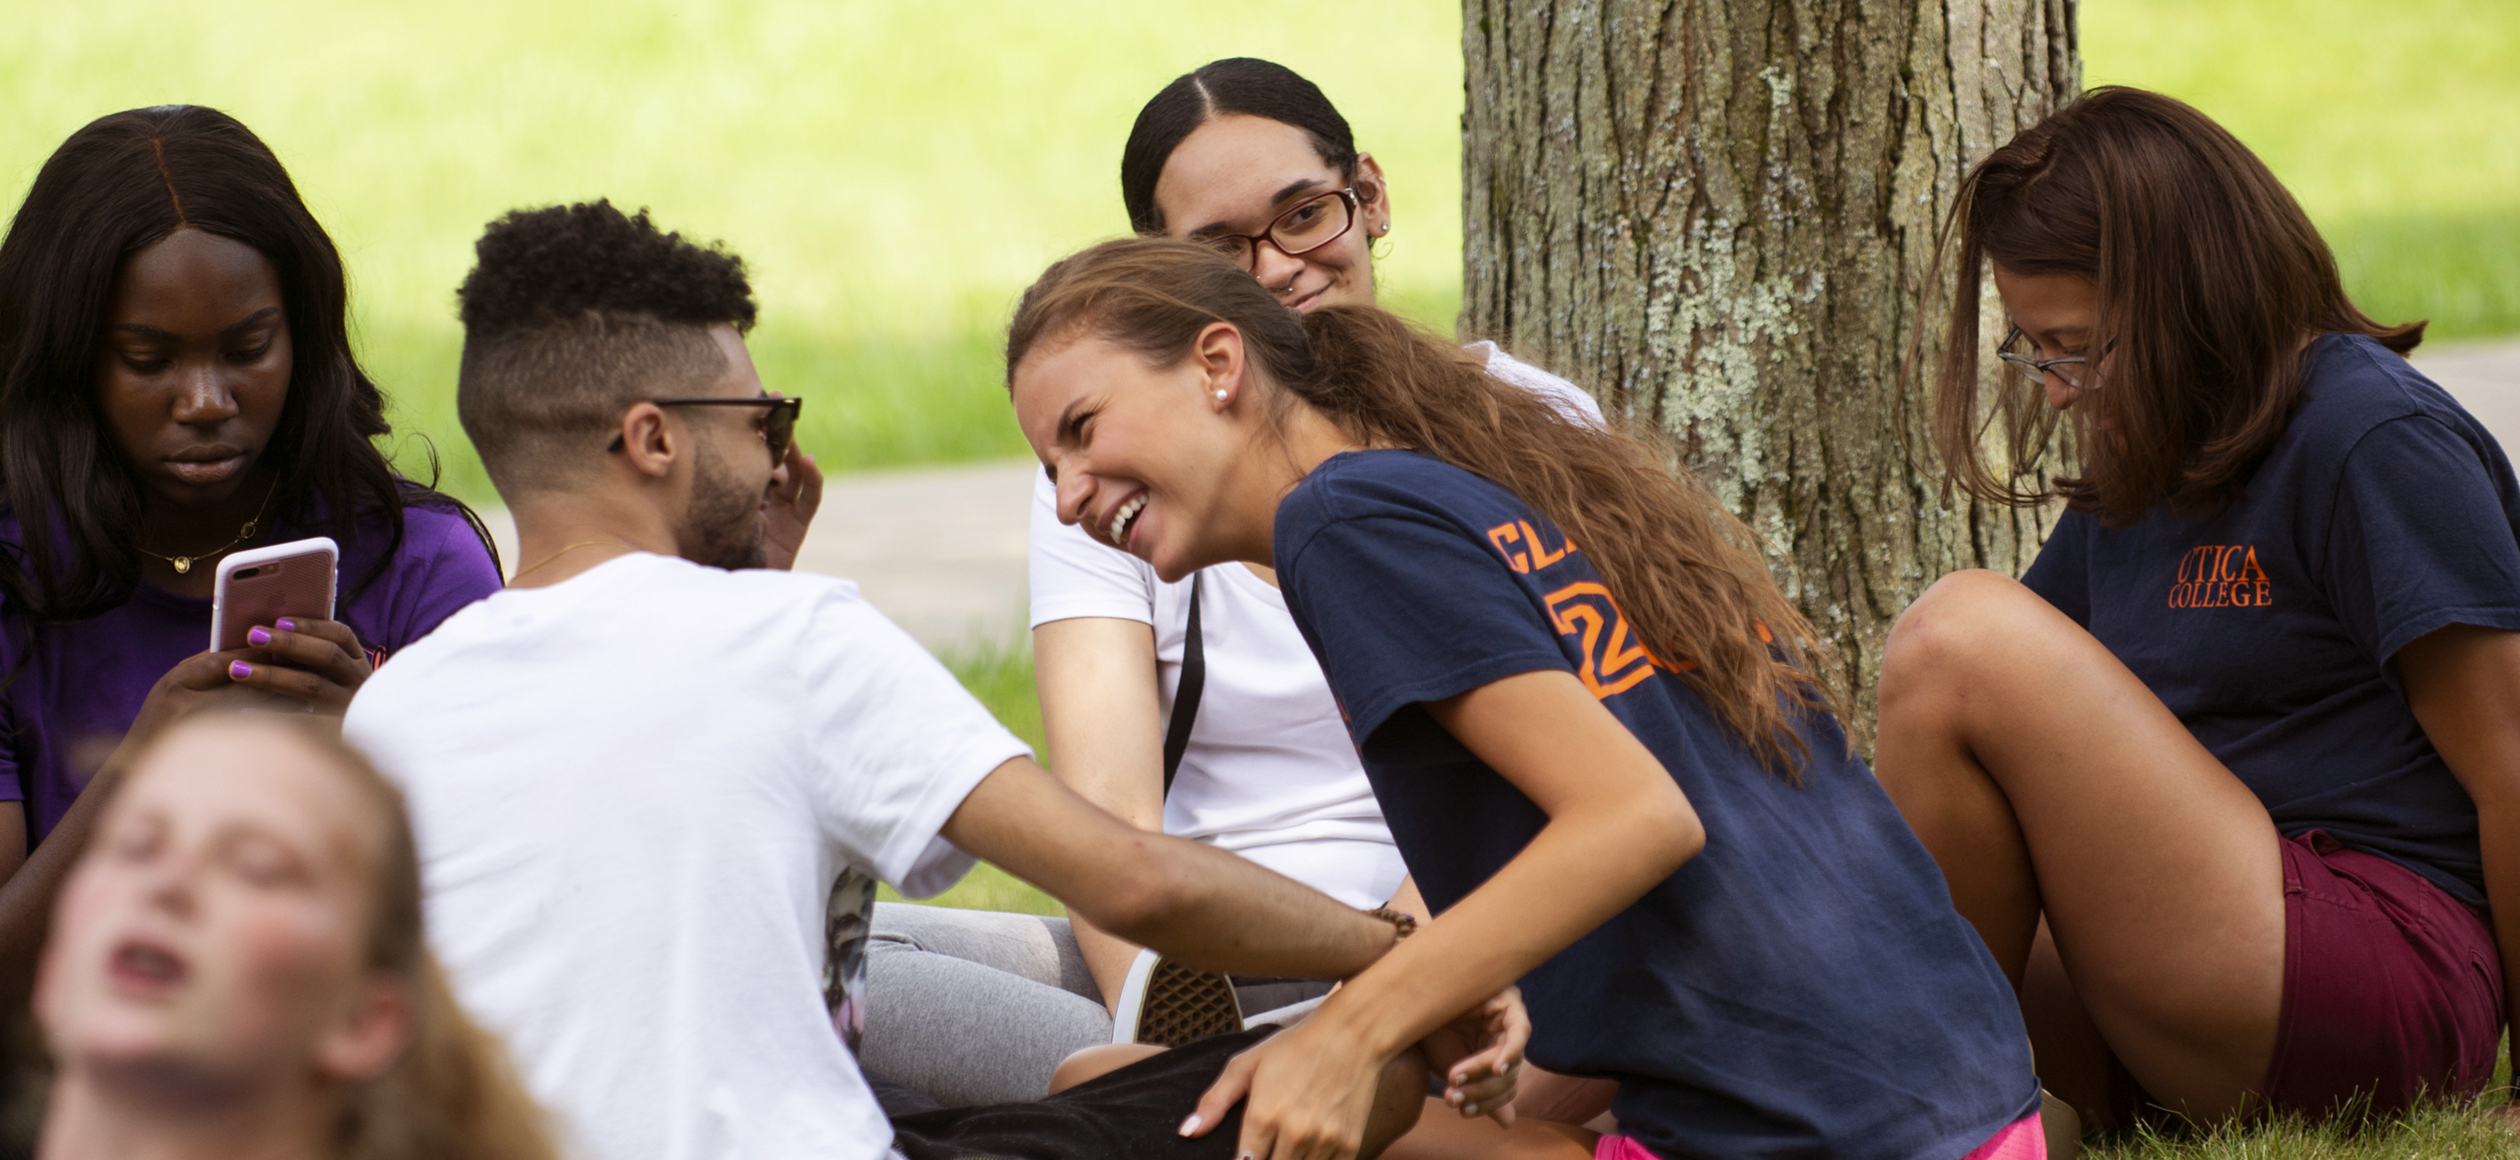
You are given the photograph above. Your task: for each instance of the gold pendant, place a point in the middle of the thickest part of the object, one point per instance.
(183, 564)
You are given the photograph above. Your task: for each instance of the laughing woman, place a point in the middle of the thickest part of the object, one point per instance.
(176, 384)
(1213, 725)
(1583, 706)
(2230, 781)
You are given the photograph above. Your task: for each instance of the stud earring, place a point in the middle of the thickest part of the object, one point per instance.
(1220, 396)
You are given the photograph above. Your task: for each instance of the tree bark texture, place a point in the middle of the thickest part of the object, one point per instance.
(1717, 215)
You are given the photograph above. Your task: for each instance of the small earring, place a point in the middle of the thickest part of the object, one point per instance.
(1220, 396)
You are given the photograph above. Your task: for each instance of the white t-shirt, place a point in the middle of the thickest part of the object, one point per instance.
(651, 801)
(1269, 772)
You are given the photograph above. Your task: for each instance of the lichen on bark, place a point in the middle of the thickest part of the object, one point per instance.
(1717, 215)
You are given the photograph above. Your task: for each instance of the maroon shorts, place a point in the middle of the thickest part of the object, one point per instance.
(2392, 988)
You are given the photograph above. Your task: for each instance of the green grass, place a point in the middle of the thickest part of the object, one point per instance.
(2471, 1132)
(2437, 1134)
(895, 172)
(1000, 674)
(2396, 125)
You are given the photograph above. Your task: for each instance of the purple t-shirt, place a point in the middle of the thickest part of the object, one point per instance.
(83, 682)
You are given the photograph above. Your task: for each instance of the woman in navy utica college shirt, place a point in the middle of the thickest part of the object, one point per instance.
(1582, 705)
(2228, 781)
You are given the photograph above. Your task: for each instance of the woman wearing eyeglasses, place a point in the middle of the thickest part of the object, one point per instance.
(1249, 157)
(176, 384)
(2230, 780)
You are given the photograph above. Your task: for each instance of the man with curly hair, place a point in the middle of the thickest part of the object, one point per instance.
(655, 782)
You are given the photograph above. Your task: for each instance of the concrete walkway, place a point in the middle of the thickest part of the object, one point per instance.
(2486, 379)
(941, 549)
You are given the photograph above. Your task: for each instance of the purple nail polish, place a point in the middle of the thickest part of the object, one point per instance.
(258, 635)
(240, 670)
(285, 624)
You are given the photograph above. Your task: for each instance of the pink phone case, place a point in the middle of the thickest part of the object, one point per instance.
(258, 587)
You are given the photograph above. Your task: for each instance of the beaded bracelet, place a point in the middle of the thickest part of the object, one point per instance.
(1402, 924)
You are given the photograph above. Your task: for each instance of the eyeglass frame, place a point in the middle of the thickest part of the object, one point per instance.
(1349, 199)
(2040, 366)
(794, 405)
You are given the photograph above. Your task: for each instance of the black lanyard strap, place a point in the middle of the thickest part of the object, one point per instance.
(1185, 708)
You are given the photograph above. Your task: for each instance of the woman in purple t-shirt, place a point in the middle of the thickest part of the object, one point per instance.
(176, 384)
(2230, 780)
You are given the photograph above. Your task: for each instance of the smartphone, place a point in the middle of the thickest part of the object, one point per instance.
(261, 585)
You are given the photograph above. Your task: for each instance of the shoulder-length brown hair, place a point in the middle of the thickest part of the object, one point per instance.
(1683, 569)
(2208, 274)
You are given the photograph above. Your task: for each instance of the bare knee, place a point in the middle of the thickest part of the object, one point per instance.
(1953, 618)
(1968, 624)
(1093, 1063)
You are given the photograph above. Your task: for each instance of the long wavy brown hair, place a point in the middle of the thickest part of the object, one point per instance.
(2208, 276)
(1683, 569)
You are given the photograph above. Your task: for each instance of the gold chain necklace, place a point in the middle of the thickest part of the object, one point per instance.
(565, 551)
(183, 564)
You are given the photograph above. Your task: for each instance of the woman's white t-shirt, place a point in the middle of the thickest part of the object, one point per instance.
(1269, 772)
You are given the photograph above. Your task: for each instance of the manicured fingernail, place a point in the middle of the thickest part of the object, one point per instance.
(1192, 1124)
(285, 624)
(259, 635)
(1460, 1078)
(240, 670)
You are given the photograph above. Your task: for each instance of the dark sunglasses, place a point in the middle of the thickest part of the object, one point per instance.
(778, 429)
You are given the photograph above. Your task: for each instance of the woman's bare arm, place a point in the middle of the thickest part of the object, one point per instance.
(2463, 684)
(1407, 900)
(1096, 676)
(1618, 824)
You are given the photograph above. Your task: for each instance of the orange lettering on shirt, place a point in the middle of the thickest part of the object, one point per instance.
(1542, 557)
(2221, 576)
(1506, 533)
(1614, 661)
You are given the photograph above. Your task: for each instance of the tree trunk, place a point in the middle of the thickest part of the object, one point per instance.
(1717, 215)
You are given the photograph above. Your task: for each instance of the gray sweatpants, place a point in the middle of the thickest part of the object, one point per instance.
(975, 1006)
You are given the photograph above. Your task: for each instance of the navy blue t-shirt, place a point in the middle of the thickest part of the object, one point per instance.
(2271, 626)
(1802, 986)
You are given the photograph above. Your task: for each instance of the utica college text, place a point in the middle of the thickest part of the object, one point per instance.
(2221, 576)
